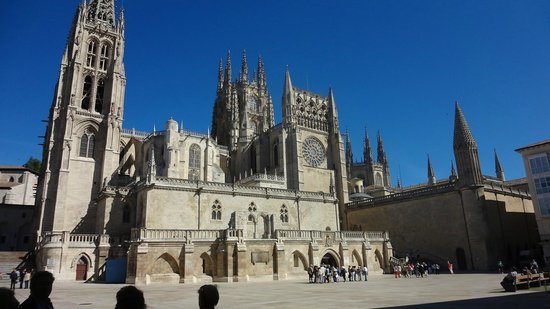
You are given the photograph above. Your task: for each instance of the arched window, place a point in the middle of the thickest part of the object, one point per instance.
(92, 53)
(378, 180)
(216, 210)
(86, 93)
(194, 162)
(99, 96)
(284, 214)
(12, 179)
(87, 144)
(104, 57)
(276, 155)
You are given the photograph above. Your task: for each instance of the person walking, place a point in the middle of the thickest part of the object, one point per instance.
(450, 266)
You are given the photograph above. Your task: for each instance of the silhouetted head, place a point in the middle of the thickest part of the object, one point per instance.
(41, 284)
(130, 297)
(7, 299)
(208, 296)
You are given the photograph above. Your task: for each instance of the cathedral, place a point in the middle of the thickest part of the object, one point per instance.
(250, 200)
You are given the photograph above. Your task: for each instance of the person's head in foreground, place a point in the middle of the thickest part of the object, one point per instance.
(208, 296)
(7, 299)
(41, 285)
(129, 297)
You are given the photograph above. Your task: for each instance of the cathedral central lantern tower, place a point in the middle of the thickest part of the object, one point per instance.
(82, 141)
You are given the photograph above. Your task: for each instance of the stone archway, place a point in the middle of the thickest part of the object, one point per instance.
(330, 258)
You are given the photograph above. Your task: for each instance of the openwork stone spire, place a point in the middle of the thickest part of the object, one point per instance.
(102, 11)
(465, 149)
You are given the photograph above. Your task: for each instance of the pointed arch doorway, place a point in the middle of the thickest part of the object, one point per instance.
(82, 269)
(329, 259)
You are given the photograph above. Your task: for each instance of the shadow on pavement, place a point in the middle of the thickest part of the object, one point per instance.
(524, 300)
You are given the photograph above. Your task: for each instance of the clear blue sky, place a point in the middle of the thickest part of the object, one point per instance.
(395, 66)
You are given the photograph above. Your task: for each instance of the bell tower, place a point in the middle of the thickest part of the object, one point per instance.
(82, 140)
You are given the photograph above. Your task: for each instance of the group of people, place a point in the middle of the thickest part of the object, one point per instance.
(128, 297)
(418, 269)
(329, 273)
(24, 276)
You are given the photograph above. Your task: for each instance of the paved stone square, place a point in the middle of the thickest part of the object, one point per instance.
(450, 291)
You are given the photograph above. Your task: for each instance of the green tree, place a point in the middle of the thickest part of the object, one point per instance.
(33, 164)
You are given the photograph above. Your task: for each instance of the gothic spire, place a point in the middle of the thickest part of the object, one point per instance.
(220, 76)
(453, 172)
(333, 120)
(498, 168)
(244, 69)
(349, 155)
(288, 83)
(462, 135)
(431, 174)
(261, 73)
(227, 73)
(381, 153)
(367, 152)
(465, 149)
(349, 151)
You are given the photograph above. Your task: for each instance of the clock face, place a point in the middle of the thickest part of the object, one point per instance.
(313, 151)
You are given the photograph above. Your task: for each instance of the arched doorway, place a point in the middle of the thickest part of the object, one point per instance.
(461, 259)
(329, 259)
(82, 269)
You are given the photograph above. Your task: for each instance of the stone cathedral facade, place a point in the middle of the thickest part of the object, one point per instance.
(249, 200)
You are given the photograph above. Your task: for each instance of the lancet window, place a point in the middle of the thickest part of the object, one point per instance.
(87, 144)
(92, 54)
(194, 162)
(216, 210)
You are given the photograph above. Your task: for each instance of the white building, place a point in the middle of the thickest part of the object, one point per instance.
(535, 159)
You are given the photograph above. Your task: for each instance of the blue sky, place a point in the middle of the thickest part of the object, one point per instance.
(394, 66)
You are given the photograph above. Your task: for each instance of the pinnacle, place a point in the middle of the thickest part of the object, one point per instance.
(462, 134)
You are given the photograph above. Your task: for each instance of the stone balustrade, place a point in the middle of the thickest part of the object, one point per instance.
(428, 190)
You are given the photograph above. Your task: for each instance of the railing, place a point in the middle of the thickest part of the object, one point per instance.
(139, 234)
(402, 195)
(133, 132)
(337, 235)
(82, 238)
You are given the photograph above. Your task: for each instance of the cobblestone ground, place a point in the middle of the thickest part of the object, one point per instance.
(443, 291)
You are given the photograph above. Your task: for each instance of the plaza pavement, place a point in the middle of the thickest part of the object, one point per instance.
(443, 291)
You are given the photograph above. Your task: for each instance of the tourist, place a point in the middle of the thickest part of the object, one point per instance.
(21, 277)
(27, 278)
(450, 267)
(129, 297)
(208, 296)
(343, 273)
(310, 273)
(13, 279)
(500, 266)
(436, 269)
(395, 271)
(41, 287)
(7, 299)
(358, 273)
(366, 273)
(534, 266)
(510, 277)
